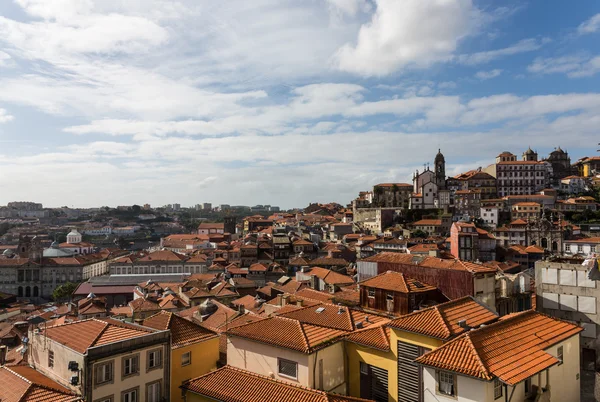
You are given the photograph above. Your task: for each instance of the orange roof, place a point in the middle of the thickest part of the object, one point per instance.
(441, 321)
(25, 384)
(511, 349)
(82, 335)
(429, 262)
(526, 204)
(428, 222)
(330, 277)
(518, 222)
(585, 240)
(377, 337)
(397, 282)
(288, 333)
(162, 255)
(183, 332)
(331, 316)
(423, 248)
(230, 384)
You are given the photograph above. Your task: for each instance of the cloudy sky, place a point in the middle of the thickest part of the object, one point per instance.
(283, 102)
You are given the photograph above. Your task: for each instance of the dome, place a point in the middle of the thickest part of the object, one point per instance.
(529, 151)
(74, 232)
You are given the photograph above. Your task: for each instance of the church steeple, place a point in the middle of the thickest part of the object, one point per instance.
(440, 170)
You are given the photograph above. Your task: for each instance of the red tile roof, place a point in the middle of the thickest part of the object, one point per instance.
(429, 262)
(441, 321)
(377, 337)
(330, 277)
(512, 349)
(25, 384)
(229, 384)
(82, 335)
(397, 282)
(428, 222)
(183, 332)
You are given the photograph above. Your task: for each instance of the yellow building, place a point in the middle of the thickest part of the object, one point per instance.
(378, 356)
(194, 349)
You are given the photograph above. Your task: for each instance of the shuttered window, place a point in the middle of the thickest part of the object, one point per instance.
(131, 365)
(410, 379)
(103, 373)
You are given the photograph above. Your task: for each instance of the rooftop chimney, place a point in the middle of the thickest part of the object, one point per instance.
(463, 324)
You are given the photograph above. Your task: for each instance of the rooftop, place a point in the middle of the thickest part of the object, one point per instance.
(25, 384)
(429, 262)
(441, 321)
(230, 384)
(397, 282)
(183, 332)
(512, 349)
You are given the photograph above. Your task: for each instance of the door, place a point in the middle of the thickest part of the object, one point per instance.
(410, 375)
(588, 359)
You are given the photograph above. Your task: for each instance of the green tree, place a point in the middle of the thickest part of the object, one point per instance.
(64, 292)
(420, 233)
(136, 209)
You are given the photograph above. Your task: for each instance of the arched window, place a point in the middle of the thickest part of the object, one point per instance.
(544, 242)
(20, 291)
(28, 291)
(36, 292)
(554, 246)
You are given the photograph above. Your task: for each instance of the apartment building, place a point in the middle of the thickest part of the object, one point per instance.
(104, 359)
(524, 177)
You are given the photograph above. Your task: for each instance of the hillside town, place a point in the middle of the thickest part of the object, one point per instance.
(478, 287)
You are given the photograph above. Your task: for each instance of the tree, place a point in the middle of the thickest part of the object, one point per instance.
(64, 291)
(136, 209)
(420, 233)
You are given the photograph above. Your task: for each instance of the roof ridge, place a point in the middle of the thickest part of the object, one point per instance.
(18, 375)
(474, 352)
(106, 325)
(304, 337)
(443, 321)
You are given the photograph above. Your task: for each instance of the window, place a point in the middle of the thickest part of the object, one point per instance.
(131, 395)
(389, 296)
(579, 248)
(287, 368)
(154, 359)
(497, 389)
(105, 399)
(104, 373)
(130, 365)
(559, 355)
(50, 358)
(446, 383)
(371, 293)
(186, 359)
(153, 392)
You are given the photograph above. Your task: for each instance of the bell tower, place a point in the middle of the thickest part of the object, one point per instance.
(440, 171)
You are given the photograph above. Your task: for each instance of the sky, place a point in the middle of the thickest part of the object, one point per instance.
(106, 102)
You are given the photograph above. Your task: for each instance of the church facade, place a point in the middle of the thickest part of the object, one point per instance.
(429, 187)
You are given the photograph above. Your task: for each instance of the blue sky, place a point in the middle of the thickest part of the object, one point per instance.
(282, 102)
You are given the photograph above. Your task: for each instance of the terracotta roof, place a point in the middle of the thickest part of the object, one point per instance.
(312, 294)
(329, 261)
(249, 302)
(441, 321)
(377, 337)
(333, 316)
(397, 282)
(511, 349)
(229, 384)
(211, 226)
(299, 261)
(423, 248)
(429, 262)
(302, 242)
(585, 240)
(288, 333)
(330, 277)
(183, 332)
(82, 335)
(258, 268)
(526, 204)
(162, 255)
(428, 222)
(25, 384)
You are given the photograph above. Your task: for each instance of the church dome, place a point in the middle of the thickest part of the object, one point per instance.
(73, 232)
(529, 151)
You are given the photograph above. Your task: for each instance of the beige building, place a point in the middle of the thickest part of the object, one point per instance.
(303, 346)
(104, 360)
(524, 356)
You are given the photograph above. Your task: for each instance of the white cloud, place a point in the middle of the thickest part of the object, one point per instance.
(5, 59)
(523, 46)
(590, 26)
(349, 7)
(574, 66)
(487, 75)
(407, 33)
(4, 116)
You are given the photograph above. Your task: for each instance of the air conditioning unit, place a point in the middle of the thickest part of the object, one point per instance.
(74, 380)
(73, 366)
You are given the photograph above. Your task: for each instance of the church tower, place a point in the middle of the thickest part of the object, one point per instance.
(440, 171)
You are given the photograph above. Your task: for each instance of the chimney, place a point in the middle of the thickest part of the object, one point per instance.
(434, 253)
(242, 309)
(299, 303)
(2, 355)
(367, 319)
(341, 310)
(463, 324)
(285, 300)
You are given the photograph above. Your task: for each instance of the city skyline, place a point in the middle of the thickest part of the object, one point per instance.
(109, 103)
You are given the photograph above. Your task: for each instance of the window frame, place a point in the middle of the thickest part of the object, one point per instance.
(498, 391)
(279, 361)
(133, 357)
(371, 293)
(560, 355)
(129, 391)
(452, 376)
(111, 364)
(159, 382)
(50, 358)
(189, 360)
(156, 366)
(109, 398)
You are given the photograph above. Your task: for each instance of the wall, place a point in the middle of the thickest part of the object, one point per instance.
(469, 389)
(385, 360)
(262, 359)
(204, 359)
(334, 366)
(564, 378)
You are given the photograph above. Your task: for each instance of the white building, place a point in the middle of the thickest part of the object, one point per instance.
(489, 215)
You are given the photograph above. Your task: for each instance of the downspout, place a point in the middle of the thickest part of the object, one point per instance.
(314, 369)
